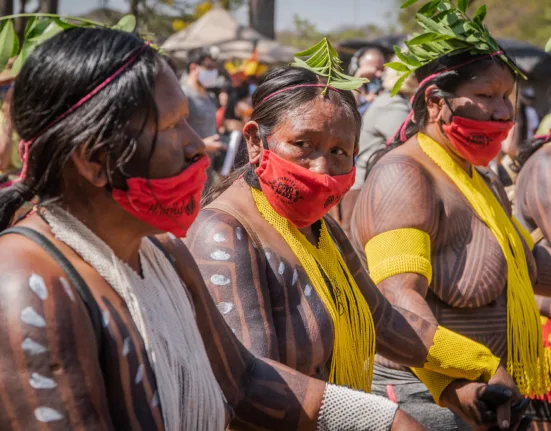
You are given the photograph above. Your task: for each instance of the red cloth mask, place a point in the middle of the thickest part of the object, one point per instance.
(478, 142)
(298, 195)
(168, 204)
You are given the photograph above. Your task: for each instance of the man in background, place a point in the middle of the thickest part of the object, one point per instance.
(368, 63)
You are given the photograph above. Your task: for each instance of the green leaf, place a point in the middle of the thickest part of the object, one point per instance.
(427, 37)
(480, 13)
(408, 3)
(430, 25)
(400, 67)
(548, 46)
(399, 83)
(28, 47)
(312, 50)
(463, 5)
(15, 49)
(430, 7)
(127, 23)
(63, 24)
(48, 33)
(38, 27)
(6, 43)
(406, 57)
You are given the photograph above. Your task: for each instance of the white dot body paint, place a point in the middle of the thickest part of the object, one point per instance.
(308, 290)
(106, 318)
(220, 280)
(31, 317)
(172, 236)
(268, 255)
(218, 237)
(126, 347)
(224, 307)
(38, 381)
(139, 375)
(155, 400)
(239, 233)
(32, 347)
(281, 268)
(67, 288)
(37, 285)
(295, 277)
(46, 414)
(220, 255)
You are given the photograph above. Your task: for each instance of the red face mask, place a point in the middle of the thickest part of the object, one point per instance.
(168, 204)
(295, 193)
(478, 142)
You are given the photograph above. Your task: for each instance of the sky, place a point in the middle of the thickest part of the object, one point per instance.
(325, 14)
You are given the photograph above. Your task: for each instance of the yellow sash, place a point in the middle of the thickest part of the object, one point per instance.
(525, 353)
(354, 346)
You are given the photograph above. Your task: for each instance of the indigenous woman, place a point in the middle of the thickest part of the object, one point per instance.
(437, 236)
(103, 326)
(284, 275)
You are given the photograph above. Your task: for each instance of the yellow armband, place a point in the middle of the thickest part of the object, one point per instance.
(435, 383)
(398, 252)
(524, 234)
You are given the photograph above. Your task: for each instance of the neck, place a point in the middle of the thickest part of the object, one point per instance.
(193, 83)
(114, 230)
(434, 132)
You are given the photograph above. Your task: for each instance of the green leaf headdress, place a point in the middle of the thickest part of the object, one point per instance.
(447, 31)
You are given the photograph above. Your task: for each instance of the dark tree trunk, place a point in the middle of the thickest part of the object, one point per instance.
(49, 6)
(135, 10)
(262, 17)
(6, 7)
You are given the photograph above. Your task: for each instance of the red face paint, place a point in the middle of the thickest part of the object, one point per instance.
(478, 142)
(298, 195)
(168, 204)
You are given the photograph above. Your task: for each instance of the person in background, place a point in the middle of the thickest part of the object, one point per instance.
(380, 122)
(10, 163)
(528, 97)
(368, 63)
(202, 74)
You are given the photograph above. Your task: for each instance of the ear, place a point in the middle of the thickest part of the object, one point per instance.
(434, 104)
(251, 133)
(94, 172)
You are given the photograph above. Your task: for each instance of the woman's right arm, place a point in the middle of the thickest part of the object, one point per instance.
(49, 371)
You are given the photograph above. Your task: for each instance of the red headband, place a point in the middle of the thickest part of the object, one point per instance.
(26, 144)
(403, 127)
(292, 87)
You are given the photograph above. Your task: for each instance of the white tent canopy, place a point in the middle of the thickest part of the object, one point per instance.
(218, 28)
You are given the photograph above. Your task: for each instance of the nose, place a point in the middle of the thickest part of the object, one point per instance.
(503, 111)
(319, 165)
(195, 149)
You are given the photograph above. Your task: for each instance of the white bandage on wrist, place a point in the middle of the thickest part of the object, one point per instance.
(344, 409)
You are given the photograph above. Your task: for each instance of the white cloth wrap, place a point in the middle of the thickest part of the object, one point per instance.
(345, 409)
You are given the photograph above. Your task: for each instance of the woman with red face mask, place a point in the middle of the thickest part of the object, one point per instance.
(435, 229)
(283, 273)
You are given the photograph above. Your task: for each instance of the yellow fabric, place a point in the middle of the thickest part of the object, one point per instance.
(525, 234)
(525, 353)
(397, 252)
(354, 347)
(435, 382)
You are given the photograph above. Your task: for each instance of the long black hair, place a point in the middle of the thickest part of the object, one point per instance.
(446, 82)
(269, 113)
(56, 76)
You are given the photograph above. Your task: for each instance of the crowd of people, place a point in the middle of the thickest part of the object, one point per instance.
(376, 259)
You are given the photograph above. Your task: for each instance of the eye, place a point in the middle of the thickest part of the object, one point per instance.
(302, 144)
(338, 151)
(485, 96)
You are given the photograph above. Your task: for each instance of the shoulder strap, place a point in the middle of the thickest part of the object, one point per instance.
(76, 279)
(537, 235)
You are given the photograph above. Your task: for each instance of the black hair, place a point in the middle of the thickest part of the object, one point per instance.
(197, 56)
(446, 83)
(268, 113)
(235, 95)
(59, 73)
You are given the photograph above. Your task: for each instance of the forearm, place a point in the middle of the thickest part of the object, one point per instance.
(542, 255)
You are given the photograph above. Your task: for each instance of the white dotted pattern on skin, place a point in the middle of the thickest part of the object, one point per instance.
(220, 255)
(126, 347)
(31, 317)
(139, 374)
(218, 237)
(46, 414)
(38, 381)
(295, 277)
(281, 268)
(155, 400)
(220, 280)
(106, 318)
(32, 347)
(268, 255)
(225, 307)
(239, 233)
(37, 285)
(308, 290)
(67, 288)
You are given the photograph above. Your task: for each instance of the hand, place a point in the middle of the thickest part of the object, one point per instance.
(213, 144)
(502, 378)
(403, 421)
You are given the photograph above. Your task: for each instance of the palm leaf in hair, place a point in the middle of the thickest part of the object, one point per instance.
(447, 30)
(323, 60)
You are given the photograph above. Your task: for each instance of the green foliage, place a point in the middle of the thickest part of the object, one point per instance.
(447, 29)
(323, 60)
(548, 46)
(41, 27)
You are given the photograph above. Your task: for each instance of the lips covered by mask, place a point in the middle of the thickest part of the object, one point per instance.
(297, 194)
(207, 78)
(168, 204)
(478, 142)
